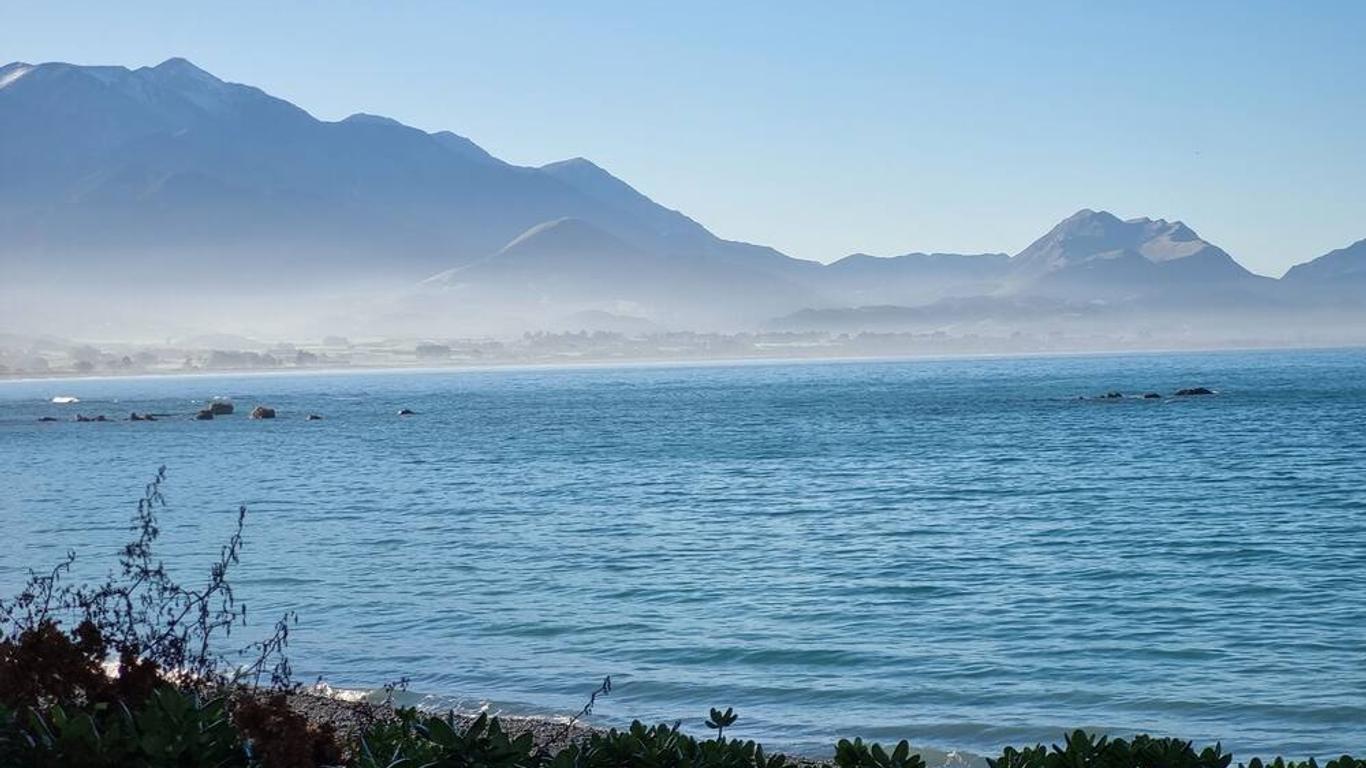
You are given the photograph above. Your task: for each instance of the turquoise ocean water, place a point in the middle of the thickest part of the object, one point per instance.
(958, 552)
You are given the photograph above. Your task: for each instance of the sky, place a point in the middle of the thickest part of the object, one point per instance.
(824, 129)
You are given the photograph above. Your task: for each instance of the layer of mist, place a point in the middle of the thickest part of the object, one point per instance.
(173, 219)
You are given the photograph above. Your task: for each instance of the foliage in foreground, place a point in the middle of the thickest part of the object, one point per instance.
(179, 729)
(140, 678)
(171, 728)
(170, 703)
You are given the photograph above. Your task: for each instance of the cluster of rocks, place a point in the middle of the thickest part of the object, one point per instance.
(134, 416)
(1188, 392)
(214, 409)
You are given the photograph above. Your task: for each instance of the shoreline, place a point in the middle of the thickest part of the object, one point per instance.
(605, 363)
(349, 711)
(351, 715)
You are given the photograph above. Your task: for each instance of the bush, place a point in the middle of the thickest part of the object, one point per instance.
(165, 702)
(661, 746)
(411, 740)
(1346, 761)
(856, 754)
(1083, 750)
(282, 738)
(171, 728)
(141, 616)
(44, 664)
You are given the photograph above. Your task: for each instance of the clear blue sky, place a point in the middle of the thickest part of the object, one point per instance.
(827, 128)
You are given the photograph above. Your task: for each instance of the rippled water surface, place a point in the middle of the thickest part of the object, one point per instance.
(959, 552)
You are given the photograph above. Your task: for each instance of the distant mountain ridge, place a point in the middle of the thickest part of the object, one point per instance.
(1094, 254)
(1089, 235)
(171, 166)
(557, 253)
(1344, 264)
(916, 278)
(112, 176)
(569, 267)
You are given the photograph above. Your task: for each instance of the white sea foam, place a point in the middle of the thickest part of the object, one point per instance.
(343, 694)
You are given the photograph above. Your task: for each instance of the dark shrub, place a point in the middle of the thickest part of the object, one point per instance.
(856, 754)
(283, 738)
(172, 728)
(1083, 750)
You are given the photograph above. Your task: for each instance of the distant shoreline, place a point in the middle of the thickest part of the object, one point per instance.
(645, 362)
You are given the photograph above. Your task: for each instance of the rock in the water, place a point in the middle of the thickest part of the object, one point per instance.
(314, 417)
(204, 415)
(262, 412)
(135, 416)
(1151, 396)
(48, 418)
(220, 407)
(406, 412)
(1113, 396)
(1193, 391)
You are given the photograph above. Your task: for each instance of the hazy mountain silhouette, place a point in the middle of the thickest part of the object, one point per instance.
(914, 278)
(562, 260)
(567, 267)
(168, 170)
(1345, 267)
(167, 175)
(1095, 255)
(1099, 272)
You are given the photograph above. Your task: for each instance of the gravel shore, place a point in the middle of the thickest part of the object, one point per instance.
(349, 717)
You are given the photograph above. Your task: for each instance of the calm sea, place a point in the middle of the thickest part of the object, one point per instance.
(959, 552)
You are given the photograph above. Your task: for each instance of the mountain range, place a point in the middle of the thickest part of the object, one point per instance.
(167, 176)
